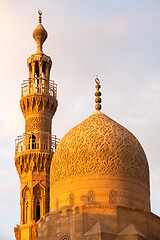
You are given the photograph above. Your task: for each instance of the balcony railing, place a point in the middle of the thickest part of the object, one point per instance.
(38, 85)
(43, 141)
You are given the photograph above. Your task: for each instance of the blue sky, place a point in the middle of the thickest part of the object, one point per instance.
(116, 40)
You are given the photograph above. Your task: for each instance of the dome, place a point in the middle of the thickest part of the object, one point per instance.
(100, 156)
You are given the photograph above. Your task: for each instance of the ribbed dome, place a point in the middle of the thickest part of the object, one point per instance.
(100, 148)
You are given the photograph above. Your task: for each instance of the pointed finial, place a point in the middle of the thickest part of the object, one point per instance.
(40, 14)
(98, 94)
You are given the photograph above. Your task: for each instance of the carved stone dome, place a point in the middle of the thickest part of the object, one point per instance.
(99, 156)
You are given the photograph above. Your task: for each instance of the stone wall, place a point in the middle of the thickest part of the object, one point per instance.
(99, 223)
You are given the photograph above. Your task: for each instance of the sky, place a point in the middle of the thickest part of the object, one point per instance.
(118, 40)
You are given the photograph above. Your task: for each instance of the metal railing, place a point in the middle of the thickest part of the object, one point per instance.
(38, 85)
(40, 141)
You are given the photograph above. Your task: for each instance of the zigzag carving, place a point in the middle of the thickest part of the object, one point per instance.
(31, 162)
(38, 104)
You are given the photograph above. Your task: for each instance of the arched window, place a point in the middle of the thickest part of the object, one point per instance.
(113, 197)
(39, 207)
(38, 213)
(25, 206)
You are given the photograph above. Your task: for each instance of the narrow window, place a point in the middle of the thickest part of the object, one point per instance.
(33, 142)
(26, 212)
(37, 69)
(38, 211)
(48, 206)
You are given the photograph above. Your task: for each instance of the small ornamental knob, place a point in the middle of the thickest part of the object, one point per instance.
(98, 94)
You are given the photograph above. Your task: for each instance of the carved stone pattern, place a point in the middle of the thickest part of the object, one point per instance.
(71, 199)
(113, 197)
(39, 104)
(33, 162)
(100, 146)
(91, 198)
(38, 123)
(38, 191)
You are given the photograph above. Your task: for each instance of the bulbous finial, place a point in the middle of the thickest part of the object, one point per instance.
(98, 94)
(40, 34)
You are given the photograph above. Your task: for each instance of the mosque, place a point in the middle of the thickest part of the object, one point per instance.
(93, 184)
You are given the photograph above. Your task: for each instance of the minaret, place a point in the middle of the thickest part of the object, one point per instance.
(35, 148)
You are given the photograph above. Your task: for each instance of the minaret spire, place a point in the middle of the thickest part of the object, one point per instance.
(40, 34)
(98, 94)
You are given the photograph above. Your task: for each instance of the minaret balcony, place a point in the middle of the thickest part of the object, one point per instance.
(37, 141)
(38, 86)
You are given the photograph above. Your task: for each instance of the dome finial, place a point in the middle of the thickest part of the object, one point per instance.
(40, 34)
(97, 94)
(40, 14)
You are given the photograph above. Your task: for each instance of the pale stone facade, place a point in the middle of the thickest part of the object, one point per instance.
(97, 181)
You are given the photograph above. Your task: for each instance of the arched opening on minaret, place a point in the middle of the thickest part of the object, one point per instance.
(25, 204)
(32, 142)
(38, 192)
(37, 69)
(38, 211)
(44, 70)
